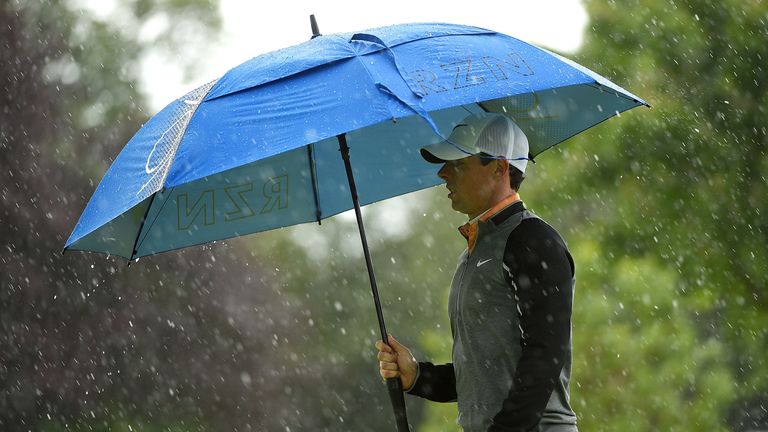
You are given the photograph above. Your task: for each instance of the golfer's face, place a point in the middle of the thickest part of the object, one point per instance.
(469, 184)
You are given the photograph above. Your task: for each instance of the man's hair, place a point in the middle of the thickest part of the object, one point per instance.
(516, 176)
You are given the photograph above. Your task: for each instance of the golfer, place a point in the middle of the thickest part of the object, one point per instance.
(511, 297)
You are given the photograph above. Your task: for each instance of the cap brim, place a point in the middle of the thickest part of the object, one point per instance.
(441, 152)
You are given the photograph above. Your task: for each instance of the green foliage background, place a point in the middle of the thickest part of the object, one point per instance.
(663, 209)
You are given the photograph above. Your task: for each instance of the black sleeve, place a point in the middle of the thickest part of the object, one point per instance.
(540, 271)
(435, 382)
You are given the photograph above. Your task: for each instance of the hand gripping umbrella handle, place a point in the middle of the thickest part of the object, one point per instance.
(394, 385)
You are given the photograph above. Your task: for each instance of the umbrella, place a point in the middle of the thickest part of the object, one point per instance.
(257, 149)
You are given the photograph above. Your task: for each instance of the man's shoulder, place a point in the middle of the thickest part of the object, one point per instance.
(534, 241)
(536, 244)
(535, 230)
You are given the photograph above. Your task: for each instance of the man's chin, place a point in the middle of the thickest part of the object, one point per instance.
(456, 207)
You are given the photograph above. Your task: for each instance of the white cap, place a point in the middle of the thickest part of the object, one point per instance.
(490, 133)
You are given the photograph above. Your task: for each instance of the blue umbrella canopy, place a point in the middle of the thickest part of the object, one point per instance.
(256, 149)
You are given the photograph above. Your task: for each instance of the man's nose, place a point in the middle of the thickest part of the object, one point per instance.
(443, 173)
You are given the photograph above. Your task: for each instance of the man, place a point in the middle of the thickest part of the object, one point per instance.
(511, 296)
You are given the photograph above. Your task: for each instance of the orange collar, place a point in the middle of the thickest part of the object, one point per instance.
(469, 229)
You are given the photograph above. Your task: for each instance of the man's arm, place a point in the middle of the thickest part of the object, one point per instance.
(435, 382)
(540, 271)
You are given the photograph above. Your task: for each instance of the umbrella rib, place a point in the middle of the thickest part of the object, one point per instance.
(141, 227)
(602, 87)
(139, 238)
(313, 174)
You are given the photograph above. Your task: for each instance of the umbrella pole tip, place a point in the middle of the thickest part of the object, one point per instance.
(315, 28)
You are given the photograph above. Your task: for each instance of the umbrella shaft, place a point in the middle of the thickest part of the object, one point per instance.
(371, 275)
(394, 385)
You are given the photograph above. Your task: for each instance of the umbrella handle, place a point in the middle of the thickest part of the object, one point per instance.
(395, 387)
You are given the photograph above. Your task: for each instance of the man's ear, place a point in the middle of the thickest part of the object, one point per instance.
(502, 166)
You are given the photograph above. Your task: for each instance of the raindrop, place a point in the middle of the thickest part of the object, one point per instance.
(245, 377)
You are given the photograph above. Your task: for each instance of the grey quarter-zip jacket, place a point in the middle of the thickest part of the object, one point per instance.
(510, 312)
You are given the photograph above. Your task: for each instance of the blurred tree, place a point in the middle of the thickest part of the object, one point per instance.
(664, 211)
(684, 186)
(85, 343)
